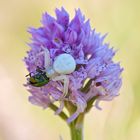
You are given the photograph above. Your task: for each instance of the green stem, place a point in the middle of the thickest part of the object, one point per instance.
(62, 115)
(76, 128)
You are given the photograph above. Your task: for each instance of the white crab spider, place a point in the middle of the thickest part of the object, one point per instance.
(63, 64)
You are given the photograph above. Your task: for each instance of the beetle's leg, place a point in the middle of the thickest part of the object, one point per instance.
(29, 74)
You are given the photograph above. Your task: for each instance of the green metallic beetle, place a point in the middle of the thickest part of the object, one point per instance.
(38, 79)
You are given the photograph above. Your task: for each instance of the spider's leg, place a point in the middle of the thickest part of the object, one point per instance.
(46, 55)
(66, 83)
(81, 105)
(59, 110)
(65, 91)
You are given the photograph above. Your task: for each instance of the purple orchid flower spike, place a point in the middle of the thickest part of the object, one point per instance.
(70, 64)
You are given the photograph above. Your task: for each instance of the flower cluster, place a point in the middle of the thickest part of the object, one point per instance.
(96, 75)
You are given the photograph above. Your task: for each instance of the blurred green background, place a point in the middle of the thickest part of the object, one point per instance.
(119, 119)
